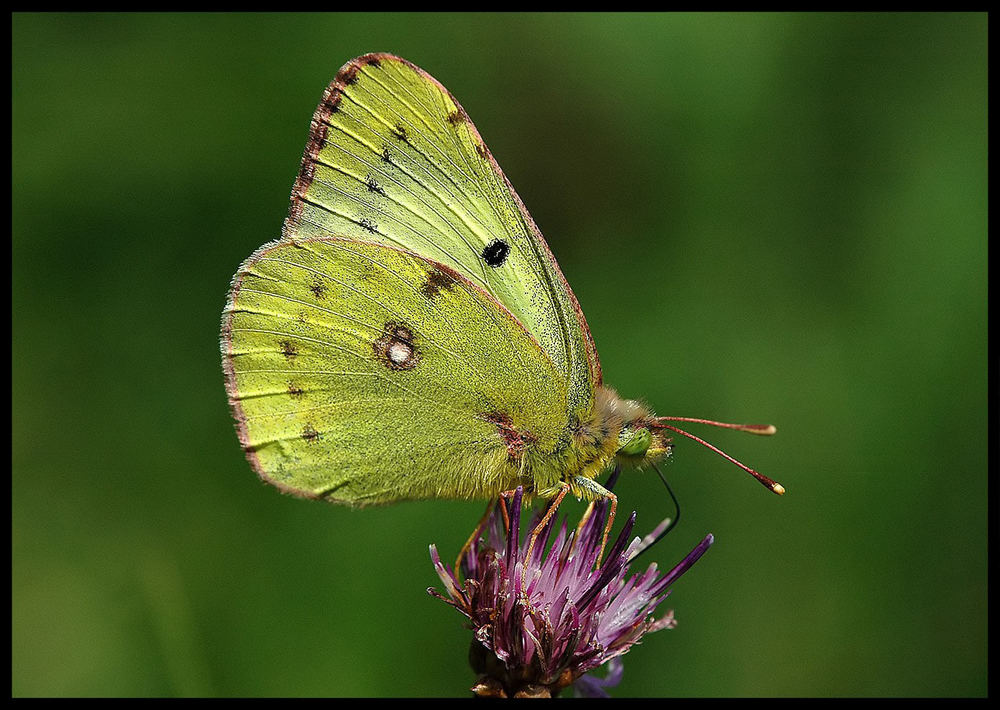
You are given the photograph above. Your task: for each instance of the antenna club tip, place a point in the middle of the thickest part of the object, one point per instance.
(769, 430)
(778, 488)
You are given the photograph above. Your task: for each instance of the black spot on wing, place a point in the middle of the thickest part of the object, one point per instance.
(496, 252)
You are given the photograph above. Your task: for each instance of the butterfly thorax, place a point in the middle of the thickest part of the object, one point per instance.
(614, 430)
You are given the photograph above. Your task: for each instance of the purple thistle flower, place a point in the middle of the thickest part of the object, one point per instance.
(541, 624)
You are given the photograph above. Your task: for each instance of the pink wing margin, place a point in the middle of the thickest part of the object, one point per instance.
(229, 372)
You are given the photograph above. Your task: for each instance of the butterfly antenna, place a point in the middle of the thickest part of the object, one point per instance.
(668, 524)
(760, 429)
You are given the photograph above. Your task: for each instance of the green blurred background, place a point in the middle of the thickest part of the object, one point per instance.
(778, 218)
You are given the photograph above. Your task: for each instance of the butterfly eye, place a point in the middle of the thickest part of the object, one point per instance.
(495, 253)
(634, 442)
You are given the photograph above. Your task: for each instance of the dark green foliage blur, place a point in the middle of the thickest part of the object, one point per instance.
(776, 218)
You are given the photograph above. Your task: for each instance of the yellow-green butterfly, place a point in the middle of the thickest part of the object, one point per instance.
(410, 335)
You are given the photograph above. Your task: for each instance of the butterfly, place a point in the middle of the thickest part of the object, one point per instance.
(411, 335)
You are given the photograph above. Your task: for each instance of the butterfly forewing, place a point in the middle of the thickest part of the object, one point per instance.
(394, 159)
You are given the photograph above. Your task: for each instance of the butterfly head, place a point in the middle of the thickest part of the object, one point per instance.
(639, 443)
(640, 440)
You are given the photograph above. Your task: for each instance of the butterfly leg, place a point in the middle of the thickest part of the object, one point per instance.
(553, 506)
(594, 489)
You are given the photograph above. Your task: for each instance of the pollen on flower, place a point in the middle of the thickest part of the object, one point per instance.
(542, 623)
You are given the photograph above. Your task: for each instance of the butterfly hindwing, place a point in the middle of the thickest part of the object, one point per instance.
(394, 159)
(364, 373)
